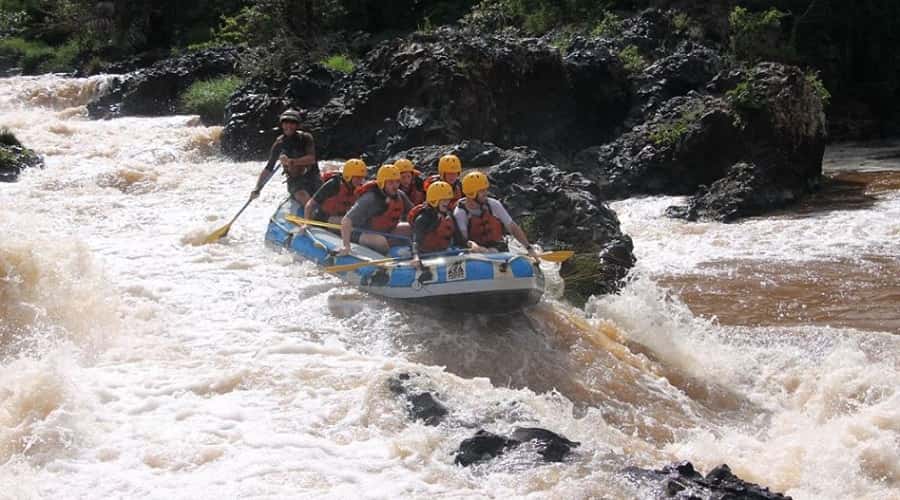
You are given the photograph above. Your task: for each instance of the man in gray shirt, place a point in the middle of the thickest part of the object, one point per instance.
(380, 208)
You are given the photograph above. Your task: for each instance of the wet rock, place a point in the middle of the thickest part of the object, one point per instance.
(782, 132)
(421, 405)
(689, 68)
(557, 209)
(154, 91)
(766, 135)
(14, 158)
(486, 445)
(549, 445)
(482, 446)
(690, 140)
(682, 481)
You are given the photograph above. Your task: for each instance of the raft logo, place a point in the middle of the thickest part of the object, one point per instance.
(456, 271)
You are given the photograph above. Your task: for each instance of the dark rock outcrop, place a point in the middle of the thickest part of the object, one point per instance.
(771, 122)
(14, 158)
(782, 144)
(447, 86)
(557, 209)
(689, 68)
(421, 405)
(154, 91)
(681, 481)
(486, 445)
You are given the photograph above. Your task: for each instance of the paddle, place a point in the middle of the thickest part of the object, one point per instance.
(557, 256)
(309, 222)
(222, 231)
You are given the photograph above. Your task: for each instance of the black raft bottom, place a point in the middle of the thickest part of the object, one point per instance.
(483, 302)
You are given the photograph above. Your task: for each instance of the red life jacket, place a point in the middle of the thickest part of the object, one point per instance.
(457, 188)
(484, 229)
(415, 191)
(387, 220)
(440, 236)
(339, 203)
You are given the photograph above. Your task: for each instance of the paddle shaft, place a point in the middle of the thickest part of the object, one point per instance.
(247, 204)
(310, 222)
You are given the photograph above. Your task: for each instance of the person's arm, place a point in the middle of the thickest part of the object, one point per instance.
(359, 213)
(269, 170)
(420, 228)
(499, 211)
(346, 232)
(309, 153)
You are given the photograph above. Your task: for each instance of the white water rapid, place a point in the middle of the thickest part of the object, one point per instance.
(134, 364)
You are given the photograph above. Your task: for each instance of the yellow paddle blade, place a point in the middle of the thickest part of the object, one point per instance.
(217, 234)
(357, 265)
(309, 222)
(557, 256)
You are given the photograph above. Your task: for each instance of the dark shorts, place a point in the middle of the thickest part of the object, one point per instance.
(500, 246)
(355, 237)
(301, 183)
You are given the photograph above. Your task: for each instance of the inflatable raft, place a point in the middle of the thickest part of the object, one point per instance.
(465, 281)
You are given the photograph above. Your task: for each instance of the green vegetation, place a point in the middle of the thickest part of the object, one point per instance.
(632, 59)
(529, 224)
(7, 138)
(208, 98)
(7, 160)
(609, 26)
(668, 134)
(28, 54)
(539, 16)
(581, 274)
(755, 35)
(744, 96)
(686, 26)
(338, 62)
(812, 78)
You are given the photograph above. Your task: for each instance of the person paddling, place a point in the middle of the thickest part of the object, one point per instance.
(483, 221)
(411, 181)
(449, 170)
(433, 225)
(296, 151)
(338, 193)
(380, 207)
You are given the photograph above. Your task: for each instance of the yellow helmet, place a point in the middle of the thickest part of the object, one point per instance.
(438, 191)
(474, 182)
(386, 173)
(404, 165)
(353, 168)
(449, 164)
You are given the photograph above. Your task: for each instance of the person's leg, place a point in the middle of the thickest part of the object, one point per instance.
(376, 242)
(402, 229)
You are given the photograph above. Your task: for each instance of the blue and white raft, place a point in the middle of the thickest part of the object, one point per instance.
(490, 283)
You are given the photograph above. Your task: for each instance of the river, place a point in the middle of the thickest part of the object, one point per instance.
(135, 363)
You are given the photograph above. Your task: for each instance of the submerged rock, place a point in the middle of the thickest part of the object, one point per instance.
(421, 405)
(682, 481)
(14, 158)
(486, 445)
